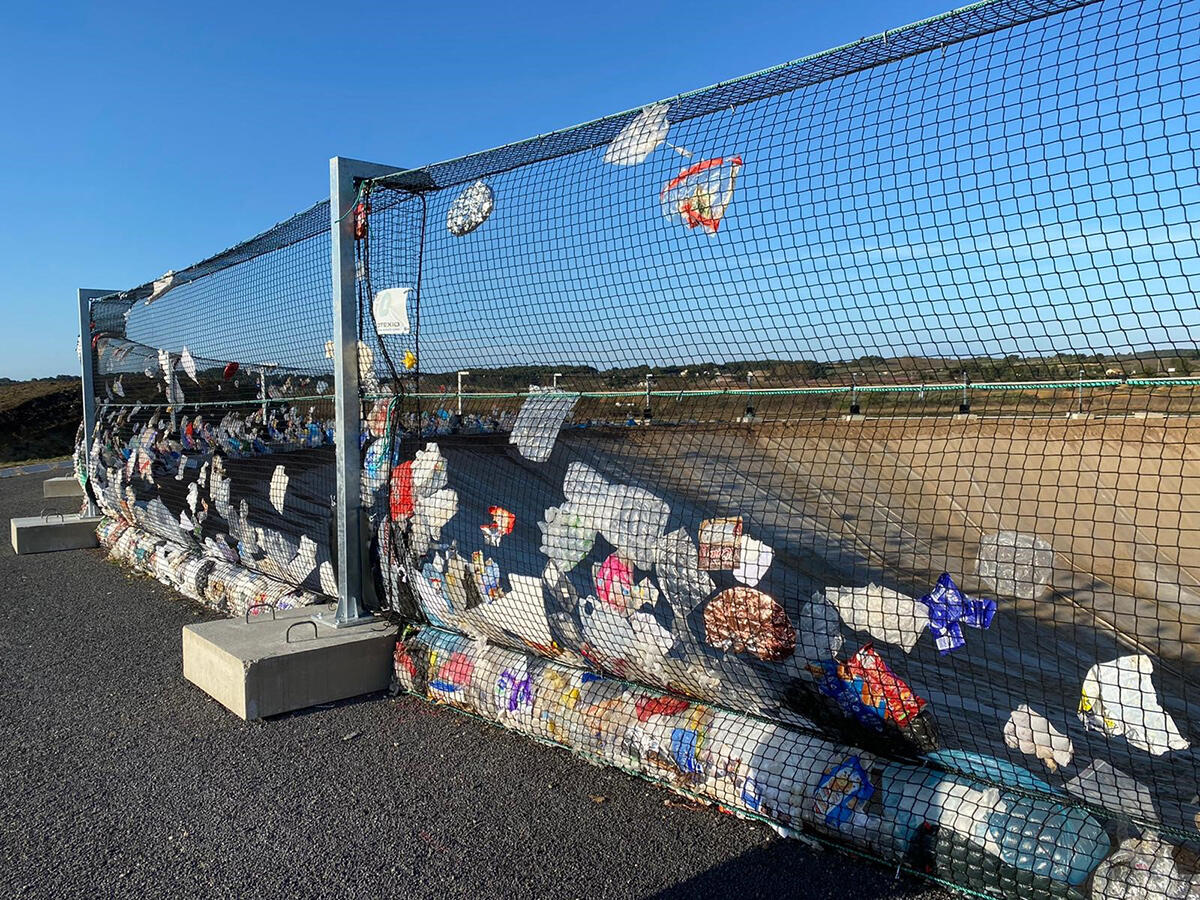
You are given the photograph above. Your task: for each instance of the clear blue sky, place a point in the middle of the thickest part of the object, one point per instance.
(1030, 191)
(140, 137)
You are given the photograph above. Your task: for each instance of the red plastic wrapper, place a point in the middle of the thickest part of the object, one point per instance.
(879, 682)
(402, 491)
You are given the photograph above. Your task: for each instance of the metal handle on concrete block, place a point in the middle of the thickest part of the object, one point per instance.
(287, 636)
(46, 517)
(254, 606)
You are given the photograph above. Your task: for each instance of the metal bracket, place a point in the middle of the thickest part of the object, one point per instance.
(254, 606)
(287, 635)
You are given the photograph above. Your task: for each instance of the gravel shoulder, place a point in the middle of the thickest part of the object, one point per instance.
(121, 779)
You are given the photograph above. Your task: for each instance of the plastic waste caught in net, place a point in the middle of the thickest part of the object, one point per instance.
(1015, 565)
(541, 417)
(818, 444)
(1143, 869)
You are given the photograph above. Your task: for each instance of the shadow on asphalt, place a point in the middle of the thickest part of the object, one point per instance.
(783, 868)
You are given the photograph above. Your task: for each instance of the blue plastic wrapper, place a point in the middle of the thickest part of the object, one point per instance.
(950, 609)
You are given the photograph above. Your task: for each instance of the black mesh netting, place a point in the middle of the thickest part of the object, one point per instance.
(214, 444)
(818, 443)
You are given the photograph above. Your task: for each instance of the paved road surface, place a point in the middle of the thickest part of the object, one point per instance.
(120, 779)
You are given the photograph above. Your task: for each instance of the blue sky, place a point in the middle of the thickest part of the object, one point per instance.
(140, 137)
(1018, 191)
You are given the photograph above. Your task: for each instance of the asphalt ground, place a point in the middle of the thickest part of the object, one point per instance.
(120, 779)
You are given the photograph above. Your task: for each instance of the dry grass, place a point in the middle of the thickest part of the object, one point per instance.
(13, 394)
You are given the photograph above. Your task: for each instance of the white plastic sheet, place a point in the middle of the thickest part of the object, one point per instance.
(1015, 564)
(521, 611)
(328, 578)
(188, 364)
(539, 421)
(160, 287)
(1118, 698)
(640, 137)
(754, 559)
(609, 634)
(279, 483)
(1030, 732)
(886, 615)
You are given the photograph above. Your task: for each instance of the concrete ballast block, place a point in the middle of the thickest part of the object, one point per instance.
(43, 534)
(62, 486)
(253, 671)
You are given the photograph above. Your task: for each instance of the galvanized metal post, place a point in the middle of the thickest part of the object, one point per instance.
(87, 373)
(345, 176)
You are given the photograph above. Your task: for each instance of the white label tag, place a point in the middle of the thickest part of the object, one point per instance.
(390, 310)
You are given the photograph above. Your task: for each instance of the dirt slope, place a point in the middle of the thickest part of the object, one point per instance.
(38, 418)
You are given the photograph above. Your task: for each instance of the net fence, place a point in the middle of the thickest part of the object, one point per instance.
(819, 443)
(215, 422)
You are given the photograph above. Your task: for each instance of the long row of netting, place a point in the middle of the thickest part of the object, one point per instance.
(212, 458)
(819, 443)
(822, 443)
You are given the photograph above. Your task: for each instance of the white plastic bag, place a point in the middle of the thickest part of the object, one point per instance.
(886, 615)
(1118, 698)
(1030, 732)
(567, 535)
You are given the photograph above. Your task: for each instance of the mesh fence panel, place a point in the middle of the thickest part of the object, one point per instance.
(215, 421)
(818, 443)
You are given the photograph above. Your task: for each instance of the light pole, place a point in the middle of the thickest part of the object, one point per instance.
(646, 411)
(965, 406)
(554, 382)
(460, 378)
(262, 393)
(854, 407)
(749, 399)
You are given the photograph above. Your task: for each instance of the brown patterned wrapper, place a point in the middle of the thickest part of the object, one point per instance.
(744, 620)
(719, 545)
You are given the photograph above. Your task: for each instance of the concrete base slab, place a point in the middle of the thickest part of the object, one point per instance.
(254, 670)
(62, 486)
(44, 534)
(854, 417)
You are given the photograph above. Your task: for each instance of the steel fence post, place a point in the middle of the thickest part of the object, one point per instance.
(345, 176)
